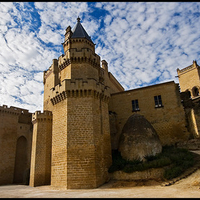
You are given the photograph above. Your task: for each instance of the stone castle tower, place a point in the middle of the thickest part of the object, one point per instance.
(76, 95)
(189, 79)
(189, 82)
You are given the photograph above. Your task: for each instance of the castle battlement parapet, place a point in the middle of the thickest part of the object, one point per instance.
(74, 55)
(48, 72)
(13, 110)
(39, 116)
(79, 88)
(187, 69)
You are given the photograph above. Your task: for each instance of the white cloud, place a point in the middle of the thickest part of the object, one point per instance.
(142, 42)
(149, 41)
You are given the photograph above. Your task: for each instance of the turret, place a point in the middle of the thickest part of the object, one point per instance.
(104, 65)
(40, 171)
(189, 79)
(77, 38)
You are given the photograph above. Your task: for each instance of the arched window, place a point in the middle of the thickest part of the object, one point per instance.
(195, 91)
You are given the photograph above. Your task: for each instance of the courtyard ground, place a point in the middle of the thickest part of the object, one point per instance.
(188, 187)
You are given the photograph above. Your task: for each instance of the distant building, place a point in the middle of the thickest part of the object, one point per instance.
(85, 109)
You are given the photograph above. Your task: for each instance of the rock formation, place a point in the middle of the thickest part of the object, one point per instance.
(138, 139)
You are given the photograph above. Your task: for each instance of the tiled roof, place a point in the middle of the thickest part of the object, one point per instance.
(79, 32)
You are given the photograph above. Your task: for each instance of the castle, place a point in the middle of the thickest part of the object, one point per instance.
(69, 144)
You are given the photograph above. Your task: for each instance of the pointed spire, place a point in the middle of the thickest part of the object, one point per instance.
(79, 31)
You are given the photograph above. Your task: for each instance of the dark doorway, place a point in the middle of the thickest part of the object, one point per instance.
(20, 160)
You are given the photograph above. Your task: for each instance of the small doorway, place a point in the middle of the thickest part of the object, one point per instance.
(20, 161)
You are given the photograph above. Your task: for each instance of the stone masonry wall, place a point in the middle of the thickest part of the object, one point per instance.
(8, 127)
(80, 144)
(40, 171)
(169, 120)
(59, 145)
(189, 77)
(81, 152)
(14, 124)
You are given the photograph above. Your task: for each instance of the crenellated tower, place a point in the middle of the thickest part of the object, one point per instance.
(189, 82)
(189, 79)
(79, 61)
(77, 91)
(40, 171)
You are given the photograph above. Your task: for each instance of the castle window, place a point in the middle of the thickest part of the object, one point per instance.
(189, 93)
(158, 101)
(195, 91)
(135, 105)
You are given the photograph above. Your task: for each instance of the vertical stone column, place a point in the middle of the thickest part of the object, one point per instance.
(40, 171)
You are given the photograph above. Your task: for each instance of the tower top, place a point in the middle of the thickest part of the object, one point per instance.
(79, 31)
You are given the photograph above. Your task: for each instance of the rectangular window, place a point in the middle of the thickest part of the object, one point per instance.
(158, 101)
(135, 105)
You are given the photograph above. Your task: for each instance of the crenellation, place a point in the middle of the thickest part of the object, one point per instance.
(48, 72)
(79, 88)
(78, 56)
(38, 115)
(187, 69)
(13, 110)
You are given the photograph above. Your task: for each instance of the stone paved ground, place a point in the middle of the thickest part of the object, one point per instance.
(188, 187)
(182, 189)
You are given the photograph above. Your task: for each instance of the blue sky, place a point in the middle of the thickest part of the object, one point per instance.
(143, 42)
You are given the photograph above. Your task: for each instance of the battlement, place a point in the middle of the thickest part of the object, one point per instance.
(79, 88)
(38, 115)
(74, 55)
(187, 69)
(83, 41)
(48, 72)
(13, 110)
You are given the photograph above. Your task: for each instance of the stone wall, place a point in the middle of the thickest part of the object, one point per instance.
(81, 148)
(59, 145)
(168, 120)
(189, 78)
(40, 171)
(16, 130)
(154, 173)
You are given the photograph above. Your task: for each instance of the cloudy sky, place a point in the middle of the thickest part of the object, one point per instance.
(143, 42)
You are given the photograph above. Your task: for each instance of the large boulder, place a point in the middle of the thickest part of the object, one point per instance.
(138, 139)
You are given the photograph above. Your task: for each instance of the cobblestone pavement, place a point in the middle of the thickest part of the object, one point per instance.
(189, 187)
